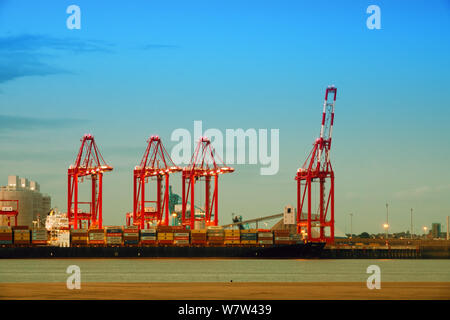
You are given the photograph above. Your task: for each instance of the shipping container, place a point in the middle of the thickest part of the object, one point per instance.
(265, 241)
(232, 242)
(233, 237)
(181, 234)
(114, 241)
(199, 224)
(181, 242)
(265, 234)
(249, 231)
(198, 231)
(145, 238)
(20, 228)
(22, 242)
(198, 241)
(249, 241)
(130, 242)
(39, 242)
(282, 238)
(165, 241)
(77, 231)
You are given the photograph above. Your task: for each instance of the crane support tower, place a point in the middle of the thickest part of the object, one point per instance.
(9, 209)
(90, 164)
(156, 164)
(203, 167)
(317, 169)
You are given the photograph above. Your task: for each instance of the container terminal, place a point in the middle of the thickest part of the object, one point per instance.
(168, 225)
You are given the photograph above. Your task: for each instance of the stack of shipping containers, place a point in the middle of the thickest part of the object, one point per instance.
(6, 235)
(265, 237)
(113, 236)
(96, 237)
(79, 237)
(282, 237)
(131, 236)
(165, 235)
(148, 236)
(249, 236)
(198, 237)
(215, 236)
(232, 236)
(180, 236)
(21, 235)
(39, 236)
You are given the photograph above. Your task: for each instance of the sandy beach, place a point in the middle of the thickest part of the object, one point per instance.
(230, 291)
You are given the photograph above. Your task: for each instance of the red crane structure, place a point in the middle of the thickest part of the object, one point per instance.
(11, 209)
(317, 168)
(156, 164)
(203, 166)
(89, 163)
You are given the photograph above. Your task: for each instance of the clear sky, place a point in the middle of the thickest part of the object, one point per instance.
(137, 68)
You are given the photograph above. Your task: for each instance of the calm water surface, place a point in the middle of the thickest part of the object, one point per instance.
(216, 270)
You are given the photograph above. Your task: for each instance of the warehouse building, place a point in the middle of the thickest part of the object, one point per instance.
(32, 203)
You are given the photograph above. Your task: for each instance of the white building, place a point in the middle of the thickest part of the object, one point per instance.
(31, 201)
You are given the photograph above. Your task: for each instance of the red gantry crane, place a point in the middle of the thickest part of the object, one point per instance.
(203, 166)
(317, 169)
(156, 164)
(89, 163)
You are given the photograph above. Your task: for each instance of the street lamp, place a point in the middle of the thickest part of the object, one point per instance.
(386, 227)
(387, 221)
(351, 225)
(425, 231)
(174, 221)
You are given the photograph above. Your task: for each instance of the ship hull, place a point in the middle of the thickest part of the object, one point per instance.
(295, 251)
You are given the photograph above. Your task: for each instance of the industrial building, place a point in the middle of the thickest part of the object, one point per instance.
(24, 196)
(436, 230)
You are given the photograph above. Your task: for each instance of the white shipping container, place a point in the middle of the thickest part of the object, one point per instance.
(79, 231)
(282, 238)
(148, 238)
(199, 225)
(181, 234)
(114, 240)
(265, 234)
(96, 236)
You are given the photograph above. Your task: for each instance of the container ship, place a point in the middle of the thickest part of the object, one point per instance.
(154, 242)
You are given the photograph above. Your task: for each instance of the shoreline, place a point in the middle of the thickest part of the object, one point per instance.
(226, 291)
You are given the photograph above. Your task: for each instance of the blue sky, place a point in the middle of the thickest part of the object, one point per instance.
(149, 67)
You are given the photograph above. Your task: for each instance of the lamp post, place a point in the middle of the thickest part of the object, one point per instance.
(411, 223)
(425, 232)
(387, 221)
(174, 219)
(351, 225)
(386, 227)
